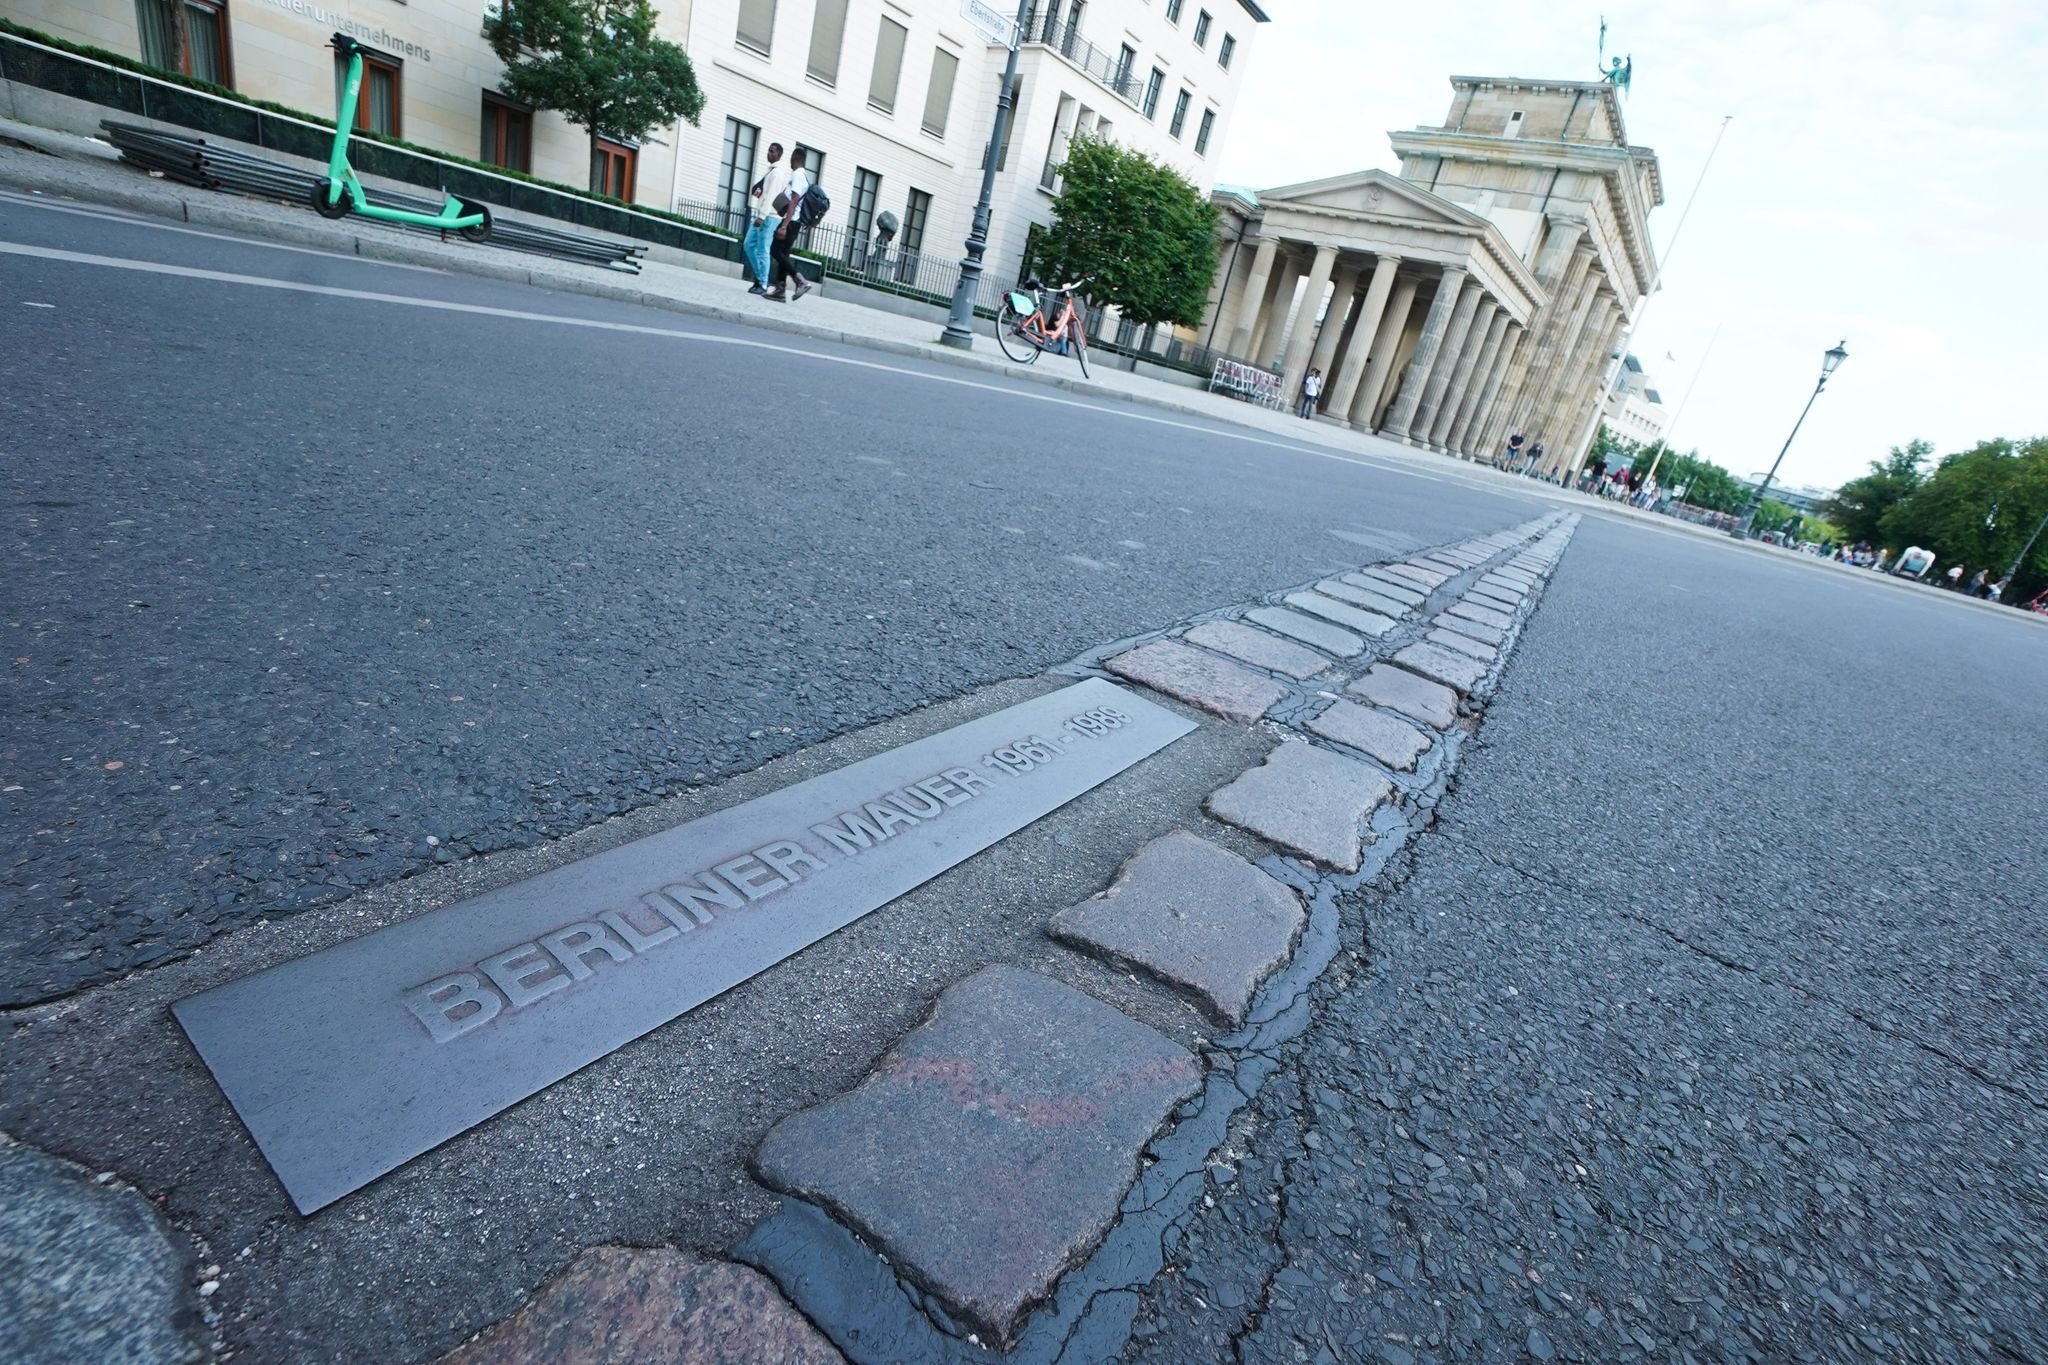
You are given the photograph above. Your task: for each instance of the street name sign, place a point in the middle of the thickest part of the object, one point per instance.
(991, 23)
(351, 1061)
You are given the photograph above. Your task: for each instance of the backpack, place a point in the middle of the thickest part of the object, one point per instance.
(812, 208)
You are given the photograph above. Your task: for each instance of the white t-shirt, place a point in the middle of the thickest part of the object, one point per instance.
(799, 181)
(1313, 385)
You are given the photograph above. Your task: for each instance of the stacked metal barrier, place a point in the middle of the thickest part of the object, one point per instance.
(195, 161)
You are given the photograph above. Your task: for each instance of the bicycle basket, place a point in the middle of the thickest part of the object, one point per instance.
(1023, 303)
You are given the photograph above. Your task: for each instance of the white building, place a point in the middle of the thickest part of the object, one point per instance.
(1635, 409)
(898, 98)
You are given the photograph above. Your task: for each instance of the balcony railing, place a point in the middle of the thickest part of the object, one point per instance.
(1106, 70)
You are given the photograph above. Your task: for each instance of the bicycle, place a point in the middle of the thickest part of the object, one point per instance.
(1022, 330)
(338, 193)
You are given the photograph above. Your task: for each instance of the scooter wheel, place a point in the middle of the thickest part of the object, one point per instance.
(480, 232)
(324, 205)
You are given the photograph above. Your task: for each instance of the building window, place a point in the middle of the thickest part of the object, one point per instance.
(1514, 128)
(938, 93)
(1202, 133)
(200, 49)
(860, 216)
(735, 173)
(377, 100)
(1172, 11)
(1180, 112)
(1009, 127)
(1226, 50)
(1126, 58)
(888, 72)
(507, 134)
(613, 166)
(828, 33)
(1202, 29)
(1070, 36)
(1063, 123)
(757, 25)
(910, 246)
(1152, 84)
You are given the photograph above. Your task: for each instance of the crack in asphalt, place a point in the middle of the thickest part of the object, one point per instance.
(1968, 1068)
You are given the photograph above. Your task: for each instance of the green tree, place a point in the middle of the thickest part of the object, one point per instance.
(1701, 483)
(1977, 509)
(1139, 229)
(1859, 506)
(1616, 449)
(598, 62)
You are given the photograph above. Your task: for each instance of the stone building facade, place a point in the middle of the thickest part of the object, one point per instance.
(1479, 292)
(894, 99)
(430, 77)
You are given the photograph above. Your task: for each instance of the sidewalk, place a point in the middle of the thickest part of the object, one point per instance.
(64, 165)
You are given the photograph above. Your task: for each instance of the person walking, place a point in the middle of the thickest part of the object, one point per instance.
(1311, 389)
(762, 219)
(792, 195)
(1514, 455)
(1955, 578)
(1981, 583)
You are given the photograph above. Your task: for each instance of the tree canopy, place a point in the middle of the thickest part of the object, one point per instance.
(1143, 233)
(598, 62)
(1978, 508)
(1860, 505)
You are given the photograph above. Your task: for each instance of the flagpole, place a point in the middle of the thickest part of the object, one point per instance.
(1664, 441)
(1657, 279)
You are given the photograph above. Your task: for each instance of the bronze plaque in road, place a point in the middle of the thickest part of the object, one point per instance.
(349, 1062)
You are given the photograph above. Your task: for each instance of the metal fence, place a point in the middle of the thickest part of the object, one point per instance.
(871, 259)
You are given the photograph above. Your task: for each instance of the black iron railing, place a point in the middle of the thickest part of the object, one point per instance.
(870, 259)
(1107, 70)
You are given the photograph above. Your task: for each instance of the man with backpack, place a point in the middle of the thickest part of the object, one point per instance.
(795, 211)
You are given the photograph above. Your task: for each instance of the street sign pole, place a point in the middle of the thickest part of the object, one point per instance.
(959, 331)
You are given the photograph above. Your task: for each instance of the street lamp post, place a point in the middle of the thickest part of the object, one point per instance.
(2013, 570)
(1834, 357)
(959, 332)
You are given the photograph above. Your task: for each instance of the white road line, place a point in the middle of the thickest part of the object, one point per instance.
(131, 220)
(637, 329)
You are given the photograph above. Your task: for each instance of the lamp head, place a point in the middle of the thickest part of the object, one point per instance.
(1835, 356)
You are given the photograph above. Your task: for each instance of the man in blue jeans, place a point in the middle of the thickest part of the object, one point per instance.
(762, 219)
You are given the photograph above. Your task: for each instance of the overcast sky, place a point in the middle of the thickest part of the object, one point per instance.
(1882, 181)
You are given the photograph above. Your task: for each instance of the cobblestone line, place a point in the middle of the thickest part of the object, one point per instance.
(1370, 683)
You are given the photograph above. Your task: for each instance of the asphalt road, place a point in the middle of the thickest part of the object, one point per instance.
(1710, 1024)
(307, 591)
(1706, 1024)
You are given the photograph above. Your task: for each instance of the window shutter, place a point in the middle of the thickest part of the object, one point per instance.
(828, 31)
(938, 96)
(888, 71)
(757, 24)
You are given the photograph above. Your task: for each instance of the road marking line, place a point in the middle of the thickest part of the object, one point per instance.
(639, 329)
(130, 220)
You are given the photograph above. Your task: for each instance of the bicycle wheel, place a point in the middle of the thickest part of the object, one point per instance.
(1081, 351)
(1010, 335)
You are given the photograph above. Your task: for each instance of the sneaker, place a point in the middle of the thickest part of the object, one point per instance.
(803, 287)
(757, 289)
(775, 294)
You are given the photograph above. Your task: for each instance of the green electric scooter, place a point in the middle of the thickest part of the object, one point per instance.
(339, 193)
